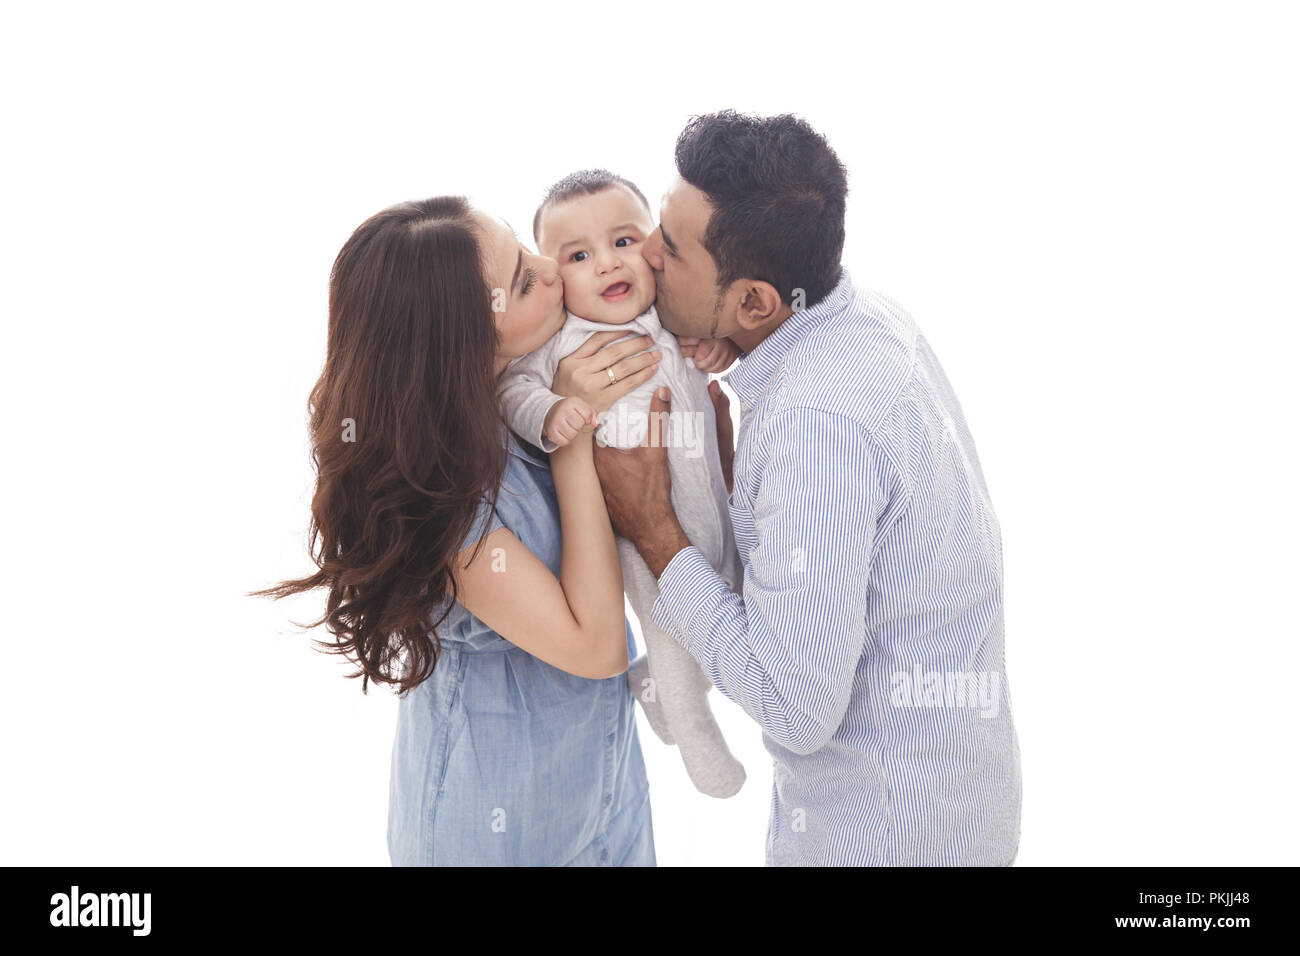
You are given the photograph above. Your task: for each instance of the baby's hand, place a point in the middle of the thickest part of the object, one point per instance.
(711, 355)
(566, 419)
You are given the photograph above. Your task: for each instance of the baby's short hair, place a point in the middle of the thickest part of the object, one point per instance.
(585, 182)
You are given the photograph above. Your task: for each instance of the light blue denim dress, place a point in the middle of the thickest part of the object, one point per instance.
(500, 759)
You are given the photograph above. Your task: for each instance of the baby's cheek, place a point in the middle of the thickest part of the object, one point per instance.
(644, 274)
(580, 298)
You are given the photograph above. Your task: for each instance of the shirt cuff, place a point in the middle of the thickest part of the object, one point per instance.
(688, 585)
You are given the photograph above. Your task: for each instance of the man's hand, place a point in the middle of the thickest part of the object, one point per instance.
(638, 492)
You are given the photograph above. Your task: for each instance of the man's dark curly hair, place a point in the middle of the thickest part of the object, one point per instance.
(778, 192)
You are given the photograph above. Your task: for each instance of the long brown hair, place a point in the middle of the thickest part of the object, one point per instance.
(406, 435)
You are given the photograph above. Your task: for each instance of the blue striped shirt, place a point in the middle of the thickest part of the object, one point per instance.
(868, 643)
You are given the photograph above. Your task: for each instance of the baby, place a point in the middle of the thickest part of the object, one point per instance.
(593, 224)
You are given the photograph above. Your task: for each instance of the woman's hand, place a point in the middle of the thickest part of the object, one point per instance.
(583, 372)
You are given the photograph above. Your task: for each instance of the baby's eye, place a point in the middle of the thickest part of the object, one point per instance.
(574, 257)
(630, 239)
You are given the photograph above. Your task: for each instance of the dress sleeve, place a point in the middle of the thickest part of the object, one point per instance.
(486, 520)
(453, 622)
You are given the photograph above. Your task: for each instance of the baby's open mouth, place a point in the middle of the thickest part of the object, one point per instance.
(619, 290)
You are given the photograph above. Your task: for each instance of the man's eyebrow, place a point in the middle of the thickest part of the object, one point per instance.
(667, 242)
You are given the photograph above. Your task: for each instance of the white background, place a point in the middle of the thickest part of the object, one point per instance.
(1090, 209)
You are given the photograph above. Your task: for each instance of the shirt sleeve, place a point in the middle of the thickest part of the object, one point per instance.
(788, 651)
(525, 397)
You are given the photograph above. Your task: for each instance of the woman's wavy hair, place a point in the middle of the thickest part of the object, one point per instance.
(405, 433)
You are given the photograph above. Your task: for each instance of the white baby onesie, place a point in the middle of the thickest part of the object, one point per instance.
(677, 696)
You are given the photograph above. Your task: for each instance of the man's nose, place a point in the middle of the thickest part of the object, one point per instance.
(651, 253)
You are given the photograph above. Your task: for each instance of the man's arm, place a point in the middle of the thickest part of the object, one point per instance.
(788, 651)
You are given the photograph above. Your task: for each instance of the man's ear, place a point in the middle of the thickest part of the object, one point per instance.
(760, 305)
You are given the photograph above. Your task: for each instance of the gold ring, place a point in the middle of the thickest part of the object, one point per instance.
(613, 379)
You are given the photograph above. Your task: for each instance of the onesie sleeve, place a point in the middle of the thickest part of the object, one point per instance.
(525, 396)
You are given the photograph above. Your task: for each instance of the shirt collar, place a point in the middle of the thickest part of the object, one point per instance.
(750, 376)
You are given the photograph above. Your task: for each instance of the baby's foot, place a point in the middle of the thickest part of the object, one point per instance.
(713, 769)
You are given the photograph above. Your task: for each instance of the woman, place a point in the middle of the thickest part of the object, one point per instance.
(464, 567)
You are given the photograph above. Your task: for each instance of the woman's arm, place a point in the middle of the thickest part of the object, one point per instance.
(575, 622)
(590, 572)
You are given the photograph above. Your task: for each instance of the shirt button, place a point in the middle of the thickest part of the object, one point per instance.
(609, 797)
(610, 738)
(604, 855)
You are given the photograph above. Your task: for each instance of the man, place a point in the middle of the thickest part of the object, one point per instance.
(869, 640)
